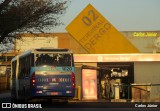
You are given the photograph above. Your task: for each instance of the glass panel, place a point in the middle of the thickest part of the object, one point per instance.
(53, 59)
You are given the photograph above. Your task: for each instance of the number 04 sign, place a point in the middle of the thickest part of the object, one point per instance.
(97, 35)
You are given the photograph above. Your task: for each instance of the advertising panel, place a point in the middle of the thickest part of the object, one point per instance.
(89, 84)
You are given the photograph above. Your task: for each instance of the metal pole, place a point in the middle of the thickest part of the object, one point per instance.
(128, 91)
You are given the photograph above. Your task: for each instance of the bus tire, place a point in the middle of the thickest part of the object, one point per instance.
(49, 100)
(13, 100)
(25, 99)
(25, 96)
(65, 101)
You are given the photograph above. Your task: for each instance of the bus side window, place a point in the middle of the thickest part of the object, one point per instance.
(27, 65)
(37, 59)
(22, 67)
(19, 69)
(14, 70)
(20, 74)
(32, 60)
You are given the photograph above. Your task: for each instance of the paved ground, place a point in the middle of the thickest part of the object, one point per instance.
(83, 105)
(5, 93)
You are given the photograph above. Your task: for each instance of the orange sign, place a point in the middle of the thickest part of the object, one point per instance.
(97, 35)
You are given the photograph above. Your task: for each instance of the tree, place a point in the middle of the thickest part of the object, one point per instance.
(28, 16)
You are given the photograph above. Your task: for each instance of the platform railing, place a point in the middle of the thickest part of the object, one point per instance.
(136, 86)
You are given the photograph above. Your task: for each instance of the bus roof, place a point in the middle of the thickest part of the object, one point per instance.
(42, 50)
(52, 49)
(23, 54)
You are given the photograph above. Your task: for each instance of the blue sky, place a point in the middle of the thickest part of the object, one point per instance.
(125, 15)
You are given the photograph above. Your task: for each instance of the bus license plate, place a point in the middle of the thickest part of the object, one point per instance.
(54, 93)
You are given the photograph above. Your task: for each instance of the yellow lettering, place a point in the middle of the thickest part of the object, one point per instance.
(144, 34)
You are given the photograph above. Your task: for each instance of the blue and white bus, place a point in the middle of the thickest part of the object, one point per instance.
(43, 73)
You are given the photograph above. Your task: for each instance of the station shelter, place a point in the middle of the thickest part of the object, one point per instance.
(98, 74)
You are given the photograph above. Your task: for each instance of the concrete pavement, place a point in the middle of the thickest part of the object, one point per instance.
(5, 93)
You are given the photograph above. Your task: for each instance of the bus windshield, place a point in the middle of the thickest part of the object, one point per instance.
(53, 59)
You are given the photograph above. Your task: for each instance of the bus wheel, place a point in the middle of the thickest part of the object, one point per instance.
(49, 100)
(13, 100)
(65, 101)
(25, 99)
(25, 96)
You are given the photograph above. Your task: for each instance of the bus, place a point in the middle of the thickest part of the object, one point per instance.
(44, 73)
